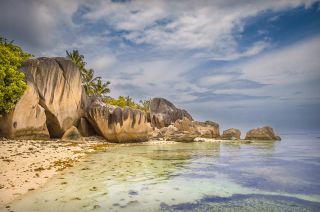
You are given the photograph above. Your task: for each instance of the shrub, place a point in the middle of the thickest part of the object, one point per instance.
(12, 84)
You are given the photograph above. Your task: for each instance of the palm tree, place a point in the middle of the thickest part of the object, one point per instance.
(77, 59)
(92, 85)
(99, 88)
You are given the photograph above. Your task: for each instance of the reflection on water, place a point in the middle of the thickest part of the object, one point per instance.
(188, 176)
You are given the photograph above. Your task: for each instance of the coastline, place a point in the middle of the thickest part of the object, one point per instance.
(29, 164)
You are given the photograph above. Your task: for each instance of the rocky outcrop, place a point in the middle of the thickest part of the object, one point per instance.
(58, 84)
(185, 130)
(263, 133)
(117, 124)
(231, 134)
(72, 134)
(27, 120)
(208, 129)
(163, 113)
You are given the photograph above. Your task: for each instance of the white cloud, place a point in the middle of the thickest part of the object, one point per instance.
(208, 26)
(101, 63)
(291, 73)
(215, 79)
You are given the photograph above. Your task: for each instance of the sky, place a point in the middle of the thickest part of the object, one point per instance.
(243, 64)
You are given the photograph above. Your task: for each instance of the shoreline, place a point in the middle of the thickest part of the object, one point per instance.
(29, 164)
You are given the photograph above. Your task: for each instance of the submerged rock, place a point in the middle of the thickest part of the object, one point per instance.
(263, 133)
(27, 120)
(72, 134)
(163, 113)
(58, 83)
(119, 125)
(231, 134)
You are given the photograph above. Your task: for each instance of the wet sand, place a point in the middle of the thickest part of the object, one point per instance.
(28, 164)
(25, 165)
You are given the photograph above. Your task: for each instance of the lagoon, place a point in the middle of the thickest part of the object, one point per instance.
(199, 176)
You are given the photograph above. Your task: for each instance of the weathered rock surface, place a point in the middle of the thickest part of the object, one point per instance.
(72, 134)
(27, 120)
(231, 134)
(163, 113)
(208, 129)
(263, 133)
(119, 124)
(85, 128)
(185, 130)
(58, 83)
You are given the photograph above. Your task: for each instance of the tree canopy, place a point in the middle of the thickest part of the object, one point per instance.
(12, 84)
(122, 101)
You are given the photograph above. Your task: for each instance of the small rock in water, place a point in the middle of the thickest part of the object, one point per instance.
(131, 192)
(96, 206)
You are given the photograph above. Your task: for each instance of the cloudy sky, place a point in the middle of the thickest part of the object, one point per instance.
(242, 63)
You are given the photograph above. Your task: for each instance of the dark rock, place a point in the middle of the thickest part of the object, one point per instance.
(163, 113)
(72, 134)
(85, 128)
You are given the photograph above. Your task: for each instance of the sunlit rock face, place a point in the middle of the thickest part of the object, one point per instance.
(27, 120)
(208, 129)
(163, 113)
(231, 134)
(263, 133)
(58, 83)
(117, 124)
(186, 130)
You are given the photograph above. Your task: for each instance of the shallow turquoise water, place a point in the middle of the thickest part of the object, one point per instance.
(273, 176)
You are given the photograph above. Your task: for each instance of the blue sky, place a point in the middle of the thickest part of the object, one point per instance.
(241, 63)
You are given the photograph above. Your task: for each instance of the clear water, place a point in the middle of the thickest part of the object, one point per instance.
(273, 176)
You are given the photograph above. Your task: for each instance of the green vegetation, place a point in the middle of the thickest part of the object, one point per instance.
(12, 84)
(94, 86)
(127, 101)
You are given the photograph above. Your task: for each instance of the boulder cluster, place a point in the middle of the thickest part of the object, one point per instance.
(56, 106)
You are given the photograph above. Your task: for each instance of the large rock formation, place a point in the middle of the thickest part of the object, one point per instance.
(163, 113)
(208, 129)
(185, 130)
(117, 124)
(58, 83)
(263, 133)
(231, 134)
(27, 120)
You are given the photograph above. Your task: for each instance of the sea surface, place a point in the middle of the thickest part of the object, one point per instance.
(264, 176)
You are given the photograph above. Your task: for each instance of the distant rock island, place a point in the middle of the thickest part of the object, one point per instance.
(56, 106)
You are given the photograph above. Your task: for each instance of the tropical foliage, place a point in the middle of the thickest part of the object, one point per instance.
(122, 101)
(92, 85)
(12, 84)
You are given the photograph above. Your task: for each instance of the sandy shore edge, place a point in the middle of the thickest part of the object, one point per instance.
(25, 165)
(28, 164)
